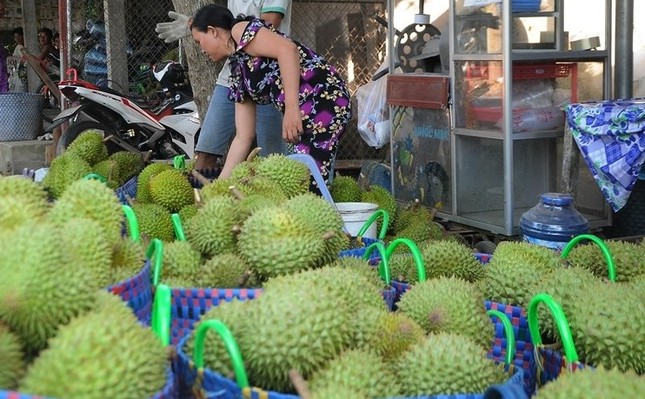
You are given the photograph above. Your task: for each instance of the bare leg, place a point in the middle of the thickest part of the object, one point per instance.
(204, 160)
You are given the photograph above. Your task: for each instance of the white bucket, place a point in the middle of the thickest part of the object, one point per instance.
(355, 214)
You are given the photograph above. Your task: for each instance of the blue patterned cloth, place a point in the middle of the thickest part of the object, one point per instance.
(611, 137)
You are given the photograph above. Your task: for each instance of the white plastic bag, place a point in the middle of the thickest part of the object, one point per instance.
(373, 113)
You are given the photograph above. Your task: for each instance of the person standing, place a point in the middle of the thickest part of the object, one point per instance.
(268, 67)
(18, 75)
(4, 75)
(218, 125)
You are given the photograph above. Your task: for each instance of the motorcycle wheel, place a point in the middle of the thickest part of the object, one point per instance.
(77, 128)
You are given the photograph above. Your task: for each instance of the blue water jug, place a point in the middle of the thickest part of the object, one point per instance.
(553, 222)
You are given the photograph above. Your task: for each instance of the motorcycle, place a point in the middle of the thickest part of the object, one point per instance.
(168, 128)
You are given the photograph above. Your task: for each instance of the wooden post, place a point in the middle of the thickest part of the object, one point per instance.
(570, 164)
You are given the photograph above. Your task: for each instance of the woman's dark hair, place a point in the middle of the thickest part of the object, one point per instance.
(217, 16)
(18, 31)
(48, 32)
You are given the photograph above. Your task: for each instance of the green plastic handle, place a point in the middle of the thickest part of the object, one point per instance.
(508, 332)
(231, 347)
(95, 176)
(178, 227)
(611, 266)
(179, 162)
(418, 259)
(133, 223)
(386, 221)
(155, 253)
(161, 313)
(561, 322)
(383, 267)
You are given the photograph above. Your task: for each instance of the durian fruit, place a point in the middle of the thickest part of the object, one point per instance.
(290, 175)
(235, 315)
(127, 260)
(378, 195)
(607, 327)
(421, 233)
(403, 267)
(63, 171)
(294, 326)
(565, 285)
(596, 383)
(14, 211)
(143, 182)
(323, 217)
(212, 230)
(451, 258)
(109, 169)
(89, 146)
(39, 290)
(410, 213)
(514, 271)
(187, 212)
(345, 189)
(91, 199)
(13, 365)
(181, 261)
(226, 271)
(130, 164)
(171, 189)
(274, 242)
(448, 304)
(360, 370)
(446, 364)
(30, 193)
(360, 266)
(337, 392)
(154, 221)
(105, 353)
(627, 256)
(218, 188)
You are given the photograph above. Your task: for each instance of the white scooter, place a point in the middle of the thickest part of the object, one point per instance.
(168, 128)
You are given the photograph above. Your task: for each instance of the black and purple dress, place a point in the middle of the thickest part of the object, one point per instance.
(324, 98)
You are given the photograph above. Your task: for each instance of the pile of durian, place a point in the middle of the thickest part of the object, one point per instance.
(62, 334)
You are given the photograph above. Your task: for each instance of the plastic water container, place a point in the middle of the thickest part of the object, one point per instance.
(355, 214)
(553, 222)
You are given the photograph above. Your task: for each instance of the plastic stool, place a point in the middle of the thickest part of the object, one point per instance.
(313, 169)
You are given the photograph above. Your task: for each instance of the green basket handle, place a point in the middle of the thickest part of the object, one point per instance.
(386, 221)
(155, 253)
(179, 162)
(611, 266)
(178, 227)
(570, 353)
(229, 343)
(95, 176)
(133, 223)
(161, 313)
(383, 266)
(418, 259)
(509, 333)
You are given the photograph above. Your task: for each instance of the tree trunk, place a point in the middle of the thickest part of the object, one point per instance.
(202, 71)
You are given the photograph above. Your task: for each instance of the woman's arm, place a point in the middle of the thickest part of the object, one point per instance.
(272, 45)
(244, 135)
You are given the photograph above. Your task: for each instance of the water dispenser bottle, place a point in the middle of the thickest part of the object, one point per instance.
(553, 222)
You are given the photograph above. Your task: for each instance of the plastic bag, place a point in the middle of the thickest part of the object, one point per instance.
(373, 113)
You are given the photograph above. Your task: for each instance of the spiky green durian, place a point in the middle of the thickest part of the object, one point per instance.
(154, 221)
(275, 242)
(89, 146)
(187, 212)
(226, 271)
(130, 164)
(27, 190)
(598, 383)
(14, 212)
(171, 189)
(360, 370)
(290, 175)
(463, 314)
(545, 259)
(451, 258)
(384, 199)
(446, 364)
(212, 230)
(13, 365)
(181, 261)
(143, 182)
(91, 199)
(127, 260)
(345, 189)
(627, 256)
(409, 213)
(109, 169)
(361, 266)
(218, 188)
(337, 392)
(119, 358)
(420, 232)
(403, 267)
(63, 171)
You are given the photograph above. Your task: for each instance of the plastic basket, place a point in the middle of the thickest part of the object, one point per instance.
(128, 189)
(365, 241)
(21, 115)
(137, 292)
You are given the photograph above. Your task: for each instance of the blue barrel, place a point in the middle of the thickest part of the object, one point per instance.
(553, 222)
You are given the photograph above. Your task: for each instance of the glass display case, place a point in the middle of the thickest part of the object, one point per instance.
(514, 65)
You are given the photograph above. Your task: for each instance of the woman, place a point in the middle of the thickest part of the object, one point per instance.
(269, 67)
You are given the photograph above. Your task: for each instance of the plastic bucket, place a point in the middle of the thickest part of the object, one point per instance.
(355, 214)
(21, 116)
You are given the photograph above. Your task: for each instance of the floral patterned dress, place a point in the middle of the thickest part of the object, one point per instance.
(324, 98)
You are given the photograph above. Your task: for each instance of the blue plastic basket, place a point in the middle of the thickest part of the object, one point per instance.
(128, 189)
(137, 292)
(360, 251)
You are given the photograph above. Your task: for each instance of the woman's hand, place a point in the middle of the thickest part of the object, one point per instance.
(292, 125)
